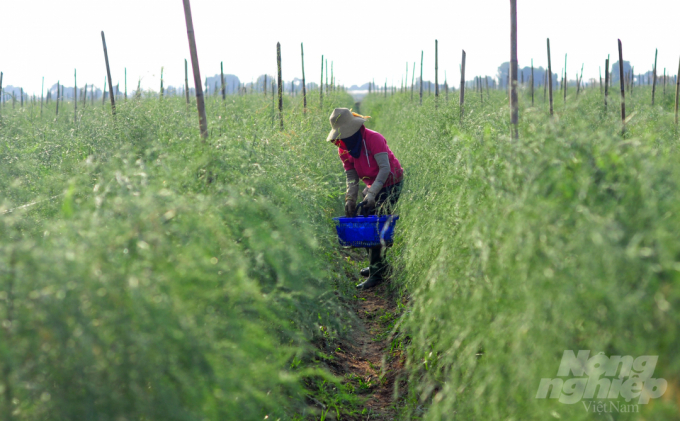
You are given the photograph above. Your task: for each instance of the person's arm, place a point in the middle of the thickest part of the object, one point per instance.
(384, 169)
(352, 191)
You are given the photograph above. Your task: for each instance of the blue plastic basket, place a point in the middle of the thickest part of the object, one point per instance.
(366, 231)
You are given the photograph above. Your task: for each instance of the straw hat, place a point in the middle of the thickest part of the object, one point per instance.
(344, 123)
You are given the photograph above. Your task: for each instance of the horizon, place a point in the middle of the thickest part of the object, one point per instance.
(389, 40)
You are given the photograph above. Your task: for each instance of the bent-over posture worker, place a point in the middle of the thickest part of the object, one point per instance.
(366, 157)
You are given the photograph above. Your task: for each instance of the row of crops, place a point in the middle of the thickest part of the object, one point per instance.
(513, 251)
(146, 275)
(155, 277)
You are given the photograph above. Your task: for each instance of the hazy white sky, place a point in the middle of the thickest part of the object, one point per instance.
(365, 40)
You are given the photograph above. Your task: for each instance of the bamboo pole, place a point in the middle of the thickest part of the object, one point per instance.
(224, 93)
(406, 78)
(623, 92)
(42, 92)
(606, 83)
(436, 71)
(532, 82)
(186, 80)
(85, 96)
(656, 54)
(462, 87)
(413, 79)
(200, 101)
(421, 77)
(280, 81)
(664, 82)
(75, 98)
(550, 82)
(320, 85)
(304, 87)
(600, 80)
(566, 79)
(514, 109)
(58, 93)
(632, 80)
(677, 94)
(108, 74)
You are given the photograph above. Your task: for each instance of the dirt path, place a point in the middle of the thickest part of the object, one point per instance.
(366, 358)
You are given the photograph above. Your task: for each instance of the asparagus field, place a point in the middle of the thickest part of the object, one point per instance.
(146, 274)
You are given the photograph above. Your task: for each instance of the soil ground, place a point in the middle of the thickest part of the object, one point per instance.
(366, 357)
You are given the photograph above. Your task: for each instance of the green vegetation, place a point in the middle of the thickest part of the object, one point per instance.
(156, 277)
(160, 278)
(512, 252)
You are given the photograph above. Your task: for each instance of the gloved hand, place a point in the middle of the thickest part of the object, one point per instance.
(350, 208)
(369, 201)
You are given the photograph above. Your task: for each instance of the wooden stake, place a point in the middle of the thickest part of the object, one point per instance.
(304, 88)
(532, 82)
(421, 77)
(566, 79)
(623, 92)
(280, 81)
(514, 108)
(200, 101)
(436, 71)
(224, 92)
(406, 78)
(550, 81)
(600, 80)
(656, 54)
(413, 79)
(108, 74)
(606, 83)
(75, 98)
(677, 94)
(186, 80)
(462, 87)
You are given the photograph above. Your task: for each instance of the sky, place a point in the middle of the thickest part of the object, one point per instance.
(368, 40)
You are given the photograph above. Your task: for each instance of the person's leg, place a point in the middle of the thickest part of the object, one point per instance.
(385, 202)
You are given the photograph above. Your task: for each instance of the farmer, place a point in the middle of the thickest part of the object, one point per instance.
(365, 155)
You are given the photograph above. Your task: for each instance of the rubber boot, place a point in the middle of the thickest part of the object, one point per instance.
(376, 270)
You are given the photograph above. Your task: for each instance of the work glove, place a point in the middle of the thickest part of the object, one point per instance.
(351, 195)
(371, 193)
(350, 208)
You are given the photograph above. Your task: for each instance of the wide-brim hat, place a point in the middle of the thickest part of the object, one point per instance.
(344, 123)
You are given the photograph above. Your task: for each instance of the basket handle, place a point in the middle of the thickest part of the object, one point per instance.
(359, 208)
